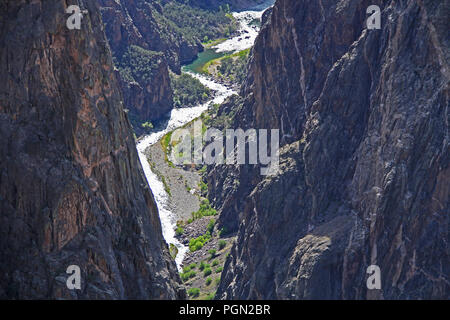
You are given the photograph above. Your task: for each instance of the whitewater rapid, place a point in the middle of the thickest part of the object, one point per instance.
(247, 32)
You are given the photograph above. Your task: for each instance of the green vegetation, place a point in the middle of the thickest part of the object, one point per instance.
(188, 91)
(205, 211)
(160, 177)
(198, 243)
(219, 269)
(186, 269)
(194, 292)
(222, 244)
(185, 276)
(203, 265)
(210, 226)
(147, 125)
(208, 281)
(179, 231)
(138, 64)
(173, 250)
(211, 43)
(215, 263)
(212, 252)
(166, 185)
(207, 272)
(231, 67)
(210, 296)
(203, 187)
(194, 23)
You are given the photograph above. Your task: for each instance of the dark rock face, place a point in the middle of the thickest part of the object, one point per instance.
(364, 164)
(131, 22)
(134, 22)
(72, 191)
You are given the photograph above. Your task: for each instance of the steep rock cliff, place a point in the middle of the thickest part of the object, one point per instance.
(131, 23)
(72, 191)
(364, 168)
(141, 23)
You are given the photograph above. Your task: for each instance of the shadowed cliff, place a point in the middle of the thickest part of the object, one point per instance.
(364, 177)
(72, 191)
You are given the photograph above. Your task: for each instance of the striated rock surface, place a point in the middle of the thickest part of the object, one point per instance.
(364, 166)
(72, 191)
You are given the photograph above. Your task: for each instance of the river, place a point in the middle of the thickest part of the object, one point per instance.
(181, 116)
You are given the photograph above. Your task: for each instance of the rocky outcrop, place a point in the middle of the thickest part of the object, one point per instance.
(72, 191)
(364, 165)
(131, 23)
(141, 23)
(148, 94)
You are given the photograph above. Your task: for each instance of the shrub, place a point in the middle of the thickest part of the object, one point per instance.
(210, 296)
(222, 244)
(205, 211)
(147, 125)
(179, 231)
(208, 281)
(185, 276)
(186, 269)
(215, 263)
(194, 292)
(207, 271)
(212, 252)
(203, 188)
(188, 91)
(211, 224)
(219, 269)
(198, 243)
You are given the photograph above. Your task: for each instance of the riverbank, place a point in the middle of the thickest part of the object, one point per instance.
(181, 185)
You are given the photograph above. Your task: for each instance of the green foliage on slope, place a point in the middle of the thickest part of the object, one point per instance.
(188, 91)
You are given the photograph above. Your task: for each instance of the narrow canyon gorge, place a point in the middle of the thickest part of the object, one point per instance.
(88, 115)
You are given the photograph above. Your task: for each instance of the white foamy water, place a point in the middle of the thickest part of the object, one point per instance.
(178, 118)
(247, 32)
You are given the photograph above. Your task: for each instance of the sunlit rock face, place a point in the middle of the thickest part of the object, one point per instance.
(364, 168)
(72, 191)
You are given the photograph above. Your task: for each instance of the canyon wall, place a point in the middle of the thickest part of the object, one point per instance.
(72, 190)
(364, 160)
(131, 23)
